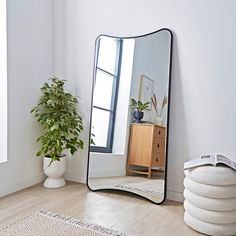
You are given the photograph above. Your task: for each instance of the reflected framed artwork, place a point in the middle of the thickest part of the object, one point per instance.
(146, 90)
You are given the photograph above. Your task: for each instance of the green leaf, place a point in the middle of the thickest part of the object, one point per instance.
(54, 127)
(139, 103)
(39, 153)
(92, 141)
(133, 102)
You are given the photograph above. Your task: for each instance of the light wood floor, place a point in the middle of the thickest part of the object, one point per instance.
(123, 212)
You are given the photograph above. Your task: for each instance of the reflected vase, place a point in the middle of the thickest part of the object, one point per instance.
(138, 116)
(158, 120)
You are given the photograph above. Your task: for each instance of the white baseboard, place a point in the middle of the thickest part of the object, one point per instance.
(175, 196)
(70, 176)
(21, 183)
(107, 173)
(75, 177)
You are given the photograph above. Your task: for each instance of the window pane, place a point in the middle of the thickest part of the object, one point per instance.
(103, 90)
(107, 54)
(100, 125)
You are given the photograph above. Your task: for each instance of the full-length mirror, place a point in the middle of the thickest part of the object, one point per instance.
(129, 118)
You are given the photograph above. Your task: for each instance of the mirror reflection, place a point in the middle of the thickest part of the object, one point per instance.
(129, 122)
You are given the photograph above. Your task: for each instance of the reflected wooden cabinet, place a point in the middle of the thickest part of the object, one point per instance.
(146, 148)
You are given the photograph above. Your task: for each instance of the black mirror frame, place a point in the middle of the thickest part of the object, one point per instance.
(168, 114)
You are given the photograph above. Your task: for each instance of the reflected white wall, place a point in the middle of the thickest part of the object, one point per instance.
(122, 112)
(151, 58)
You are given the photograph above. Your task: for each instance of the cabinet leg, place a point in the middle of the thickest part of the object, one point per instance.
(127, 169)
(149, 172)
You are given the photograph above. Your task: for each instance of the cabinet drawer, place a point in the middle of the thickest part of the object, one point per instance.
(159, 132)
(158, 159)
(140, 146)
(159, 145)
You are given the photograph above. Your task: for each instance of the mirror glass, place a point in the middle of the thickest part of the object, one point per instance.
(129, 117)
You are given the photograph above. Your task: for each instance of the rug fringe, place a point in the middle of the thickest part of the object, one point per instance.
(75, 221)
(123, 186)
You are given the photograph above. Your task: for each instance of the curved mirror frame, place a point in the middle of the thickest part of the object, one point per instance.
(99, 107)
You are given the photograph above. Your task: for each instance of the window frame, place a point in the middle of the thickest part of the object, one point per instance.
(114, 97)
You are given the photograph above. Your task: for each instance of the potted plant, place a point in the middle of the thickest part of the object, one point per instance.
(139, 107)
(57, 114)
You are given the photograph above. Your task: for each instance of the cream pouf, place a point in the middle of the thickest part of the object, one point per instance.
(222, 175)
(210, 200)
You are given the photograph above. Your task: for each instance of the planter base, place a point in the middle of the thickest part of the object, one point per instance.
(54, 182)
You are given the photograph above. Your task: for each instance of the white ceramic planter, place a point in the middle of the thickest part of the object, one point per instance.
(54, 172)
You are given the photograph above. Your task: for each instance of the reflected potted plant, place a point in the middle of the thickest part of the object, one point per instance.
(159, 111)
(57, 113)
(92, 136)
(138, 106)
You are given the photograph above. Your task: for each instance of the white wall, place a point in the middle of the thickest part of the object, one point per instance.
(3, 76)
(30, 63)
(203, 113)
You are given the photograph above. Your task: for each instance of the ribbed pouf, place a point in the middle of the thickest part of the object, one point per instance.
(210, 200)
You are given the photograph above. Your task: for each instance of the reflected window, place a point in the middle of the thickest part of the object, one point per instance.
(107, 73)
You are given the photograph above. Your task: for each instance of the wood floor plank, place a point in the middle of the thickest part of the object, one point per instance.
(125, 212)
